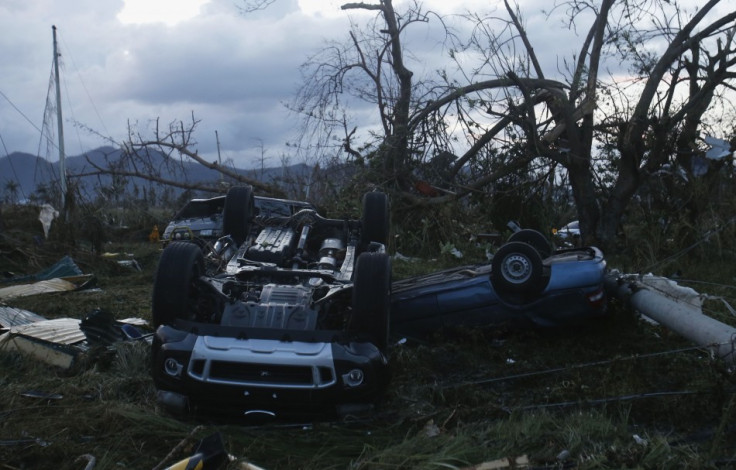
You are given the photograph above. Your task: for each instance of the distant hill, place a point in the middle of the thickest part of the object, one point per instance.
(30, 172)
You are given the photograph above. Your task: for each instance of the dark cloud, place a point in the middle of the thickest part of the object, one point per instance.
(230, 69)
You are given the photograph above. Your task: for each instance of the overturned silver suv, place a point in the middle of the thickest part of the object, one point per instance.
(283, 315)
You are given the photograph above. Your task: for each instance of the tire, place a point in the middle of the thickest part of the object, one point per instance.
(238, 212)
(517, 268)
(375, 222)
(531, 237)
(174, 286)
(372, 298)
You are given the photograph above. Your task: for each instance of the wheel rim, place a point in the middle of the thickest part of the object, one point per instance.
(516, 269)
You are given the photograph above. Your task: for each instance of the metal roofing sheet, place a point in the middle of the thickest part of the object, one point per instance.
(11, 316)
(58, 331)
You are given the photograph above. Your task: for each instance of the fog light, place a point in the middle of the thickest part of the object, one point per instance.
(173, 367)
(353, 378)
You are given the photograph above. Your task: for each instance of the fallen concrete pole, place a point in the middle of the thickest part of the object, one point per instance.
(677, 308)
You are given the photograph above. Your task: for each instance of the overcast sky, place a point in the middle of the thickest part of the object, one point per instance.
(138, 60)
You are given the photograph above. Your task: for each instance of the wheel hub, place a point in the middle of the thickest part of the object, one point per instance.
(516, 269)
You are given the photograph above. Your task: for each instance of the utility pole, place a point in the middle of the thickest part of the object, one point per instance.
(60, 126)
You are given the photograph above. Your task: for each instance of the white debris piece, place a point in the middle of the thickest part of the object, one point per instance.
(719, 148)
(47, 215)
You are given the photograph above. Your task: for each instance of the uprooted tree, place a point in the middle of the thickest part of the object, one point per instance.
(501, 112)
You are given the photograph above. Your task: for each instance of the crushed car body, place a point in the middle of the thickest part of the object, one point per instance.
(286, 315)
(527, 284)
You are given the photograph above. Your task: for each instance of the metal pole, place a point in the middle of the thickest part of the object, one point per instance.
(60, 125)
(680, 317)
(219, 158)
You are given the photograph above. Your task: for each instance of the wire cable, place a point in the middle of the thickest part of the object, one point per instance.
(20, 112)
(569, 368)
(12, 167)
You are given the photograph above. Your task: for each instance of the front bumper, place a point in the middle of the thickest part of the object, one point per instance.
(240, 377)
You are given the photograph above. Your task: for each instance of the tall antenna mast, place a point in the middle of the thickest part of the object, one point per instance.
(60, 125)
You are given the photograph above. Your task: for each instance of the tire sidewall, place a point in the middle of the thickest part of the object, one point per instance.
(372, 298)
(174, 291)
(375, 221)
(238, 211)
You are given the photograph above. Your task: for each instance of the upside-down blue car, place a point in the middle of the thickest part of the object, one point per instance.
(525, 285)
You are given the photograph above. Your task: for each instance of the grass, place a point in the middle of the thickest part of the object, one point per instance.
(616, 393)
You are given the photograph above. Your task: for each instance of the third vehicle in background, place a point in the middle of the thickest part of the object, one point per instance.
(568, 235)
(201, 219)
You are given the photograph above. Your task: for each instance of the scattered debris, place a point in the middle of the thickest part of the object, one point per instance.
(518, 462)
(60, 341)
(11, 316)
(65, 267)
(399, 257)
(210, 453)
(23, 442)
(431, 429)
(91, 461)
(101, 329)
(42, 395)
(43, 287)
(154, 236)
(639, 440)
(57, 342)
(248, 466)
(130, 262)
(47, 215)
(65, 275)
(719, 148)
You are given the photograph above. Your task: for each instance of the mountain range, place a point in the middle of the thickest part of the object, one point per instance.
(28, 172)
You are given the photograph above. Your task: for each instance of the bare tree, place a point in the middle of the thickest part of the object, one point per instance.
(679, 61)
(166, 151)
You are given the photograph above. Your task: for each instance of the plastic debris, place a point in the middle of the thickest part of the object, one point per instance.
(431, 429)
(719, 148)
(639, 440)
(47, 215)
(210, 454)
(42, 395)
(518, 462)
(91, 461)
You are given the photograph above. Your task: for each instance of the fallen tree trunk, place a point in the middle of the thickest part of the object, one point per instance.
(677, 308)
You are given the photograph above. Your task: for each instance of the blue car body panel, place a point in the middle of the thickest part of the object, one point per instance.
(465, 296)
